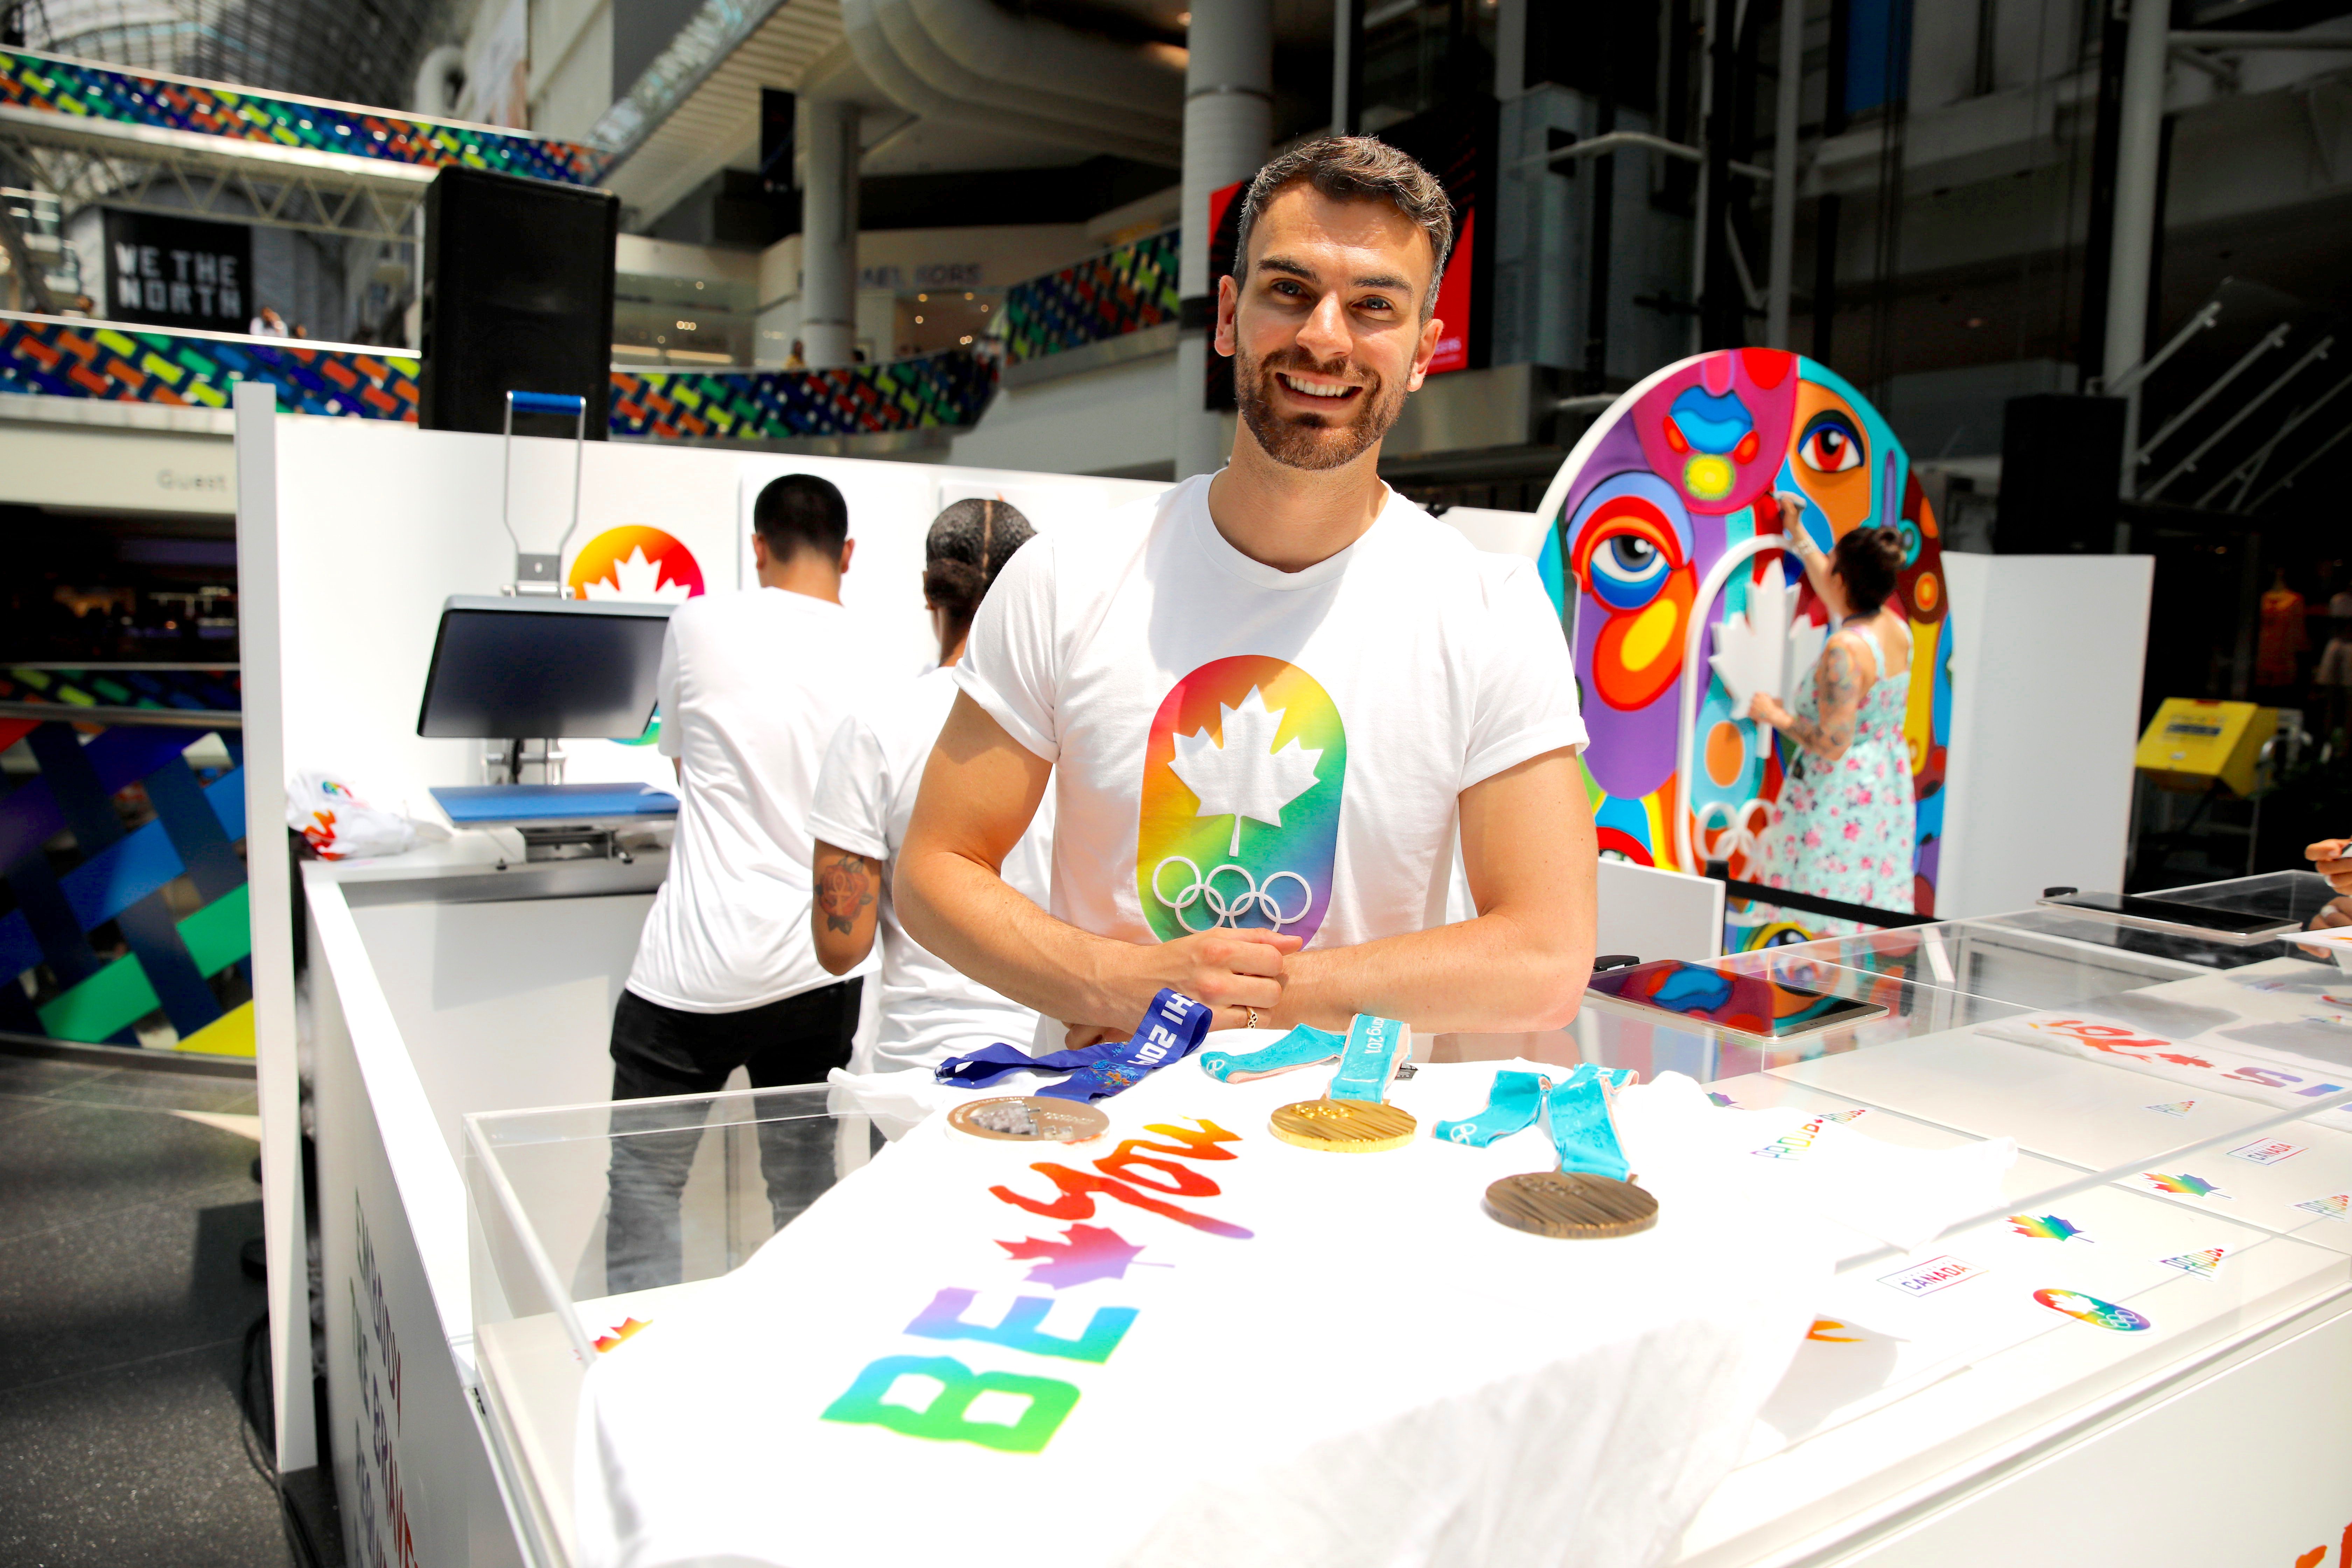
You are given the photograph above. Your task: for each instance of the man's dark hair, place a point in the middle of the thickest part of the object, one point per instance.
(1355, 169)
(801, 511)
(969, 545)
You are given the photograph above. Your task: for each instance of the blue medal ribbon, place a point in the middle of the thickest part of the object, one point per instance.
(1304, 1047)
(1171, 1029)
(1577, 1117)
(1512, 1106)
(1375, 1048)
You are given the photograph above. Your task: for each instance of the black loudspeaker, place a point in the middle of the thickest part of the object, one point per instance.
(518, 297)
(2061, 459)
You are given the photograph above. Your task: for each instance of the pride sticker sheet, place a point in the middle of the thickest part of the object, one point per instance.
(1896, 1326)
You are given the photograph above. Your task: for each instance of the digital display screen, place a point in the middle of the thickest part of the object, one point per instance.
(523, 668)
(1746, 1003)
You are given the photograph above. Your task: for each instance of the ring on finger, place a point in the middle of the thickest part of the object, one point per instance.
(1252, 1017)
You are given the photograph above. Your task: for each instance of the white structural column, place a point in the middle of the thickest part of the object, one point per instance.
(2138, 150)
(829, 234)
(1228, 125)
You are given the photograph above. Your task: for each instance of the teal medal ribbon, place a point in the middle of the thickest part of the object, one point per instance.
(1577, 1117)
(1375, 1049)
(1512, 1106)
(1304, 1047)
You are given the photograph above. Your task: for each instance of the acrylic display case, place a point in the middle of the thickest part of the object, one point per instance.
(2181, 1200)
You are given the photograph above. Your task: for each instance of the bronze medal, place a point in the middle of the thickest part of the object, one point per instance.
(1030, 1118)
(1345, 1126)
(1575, 1206)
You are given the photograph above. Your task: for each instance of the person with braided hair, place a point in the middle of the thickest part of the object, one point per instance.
(866, 795)
(1846, 820)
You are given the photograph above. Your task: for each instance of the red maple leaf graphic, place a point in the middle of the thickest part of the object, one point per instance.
(1089, 1252)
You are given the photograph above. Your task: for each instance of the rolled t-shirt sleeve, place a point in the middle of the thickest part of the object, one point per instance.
(1010, 661)
(1526, 689)
(851, 806)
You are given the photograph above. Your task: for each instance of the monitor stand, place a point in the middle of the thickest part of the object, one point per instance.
(523, 761)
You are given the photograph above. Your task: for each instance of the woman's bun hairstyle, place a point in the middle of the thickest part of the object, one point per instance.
(1868, 559)
(969, 545)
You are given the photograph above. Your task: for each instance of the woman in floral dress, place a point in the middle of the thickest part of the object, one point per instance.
(1847, 821)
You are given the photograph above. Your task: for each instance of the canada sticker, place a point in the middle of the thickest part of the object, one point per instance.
(2336, 1205)
(1936, 1274)
(2172, 1107)
(2268, 1151)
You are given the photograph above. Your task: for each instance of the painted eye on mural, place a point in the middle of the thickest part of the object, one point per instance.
(1831, 445)
(1909, 532)
(1626, 566)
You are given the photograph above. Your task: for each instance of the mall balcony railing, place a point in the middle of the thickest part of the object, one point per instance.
(1126, 291)
(1128, 288)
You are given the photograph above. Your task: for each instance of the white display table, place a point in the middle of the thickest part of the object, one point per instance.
(1908, 1430)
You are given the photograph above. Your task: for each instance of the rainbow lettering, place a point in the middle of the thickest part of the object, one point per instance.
(941, 1400)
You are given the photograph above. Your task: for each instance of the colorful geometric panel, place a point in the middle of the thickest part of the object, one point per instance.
(145, 908)
(939, 390)
(63, 358)
(86, 90)
(1120, 292)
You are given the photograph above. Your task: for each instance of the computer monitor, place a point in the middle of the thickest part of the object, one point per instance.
(515, 668)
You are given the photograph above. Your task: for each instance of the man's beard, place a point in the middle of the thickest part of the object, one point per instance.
(1311, 440)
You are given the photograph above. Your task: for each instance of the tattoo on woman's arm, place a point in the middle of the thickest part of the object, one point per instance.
(844, 887)
(1839, 689)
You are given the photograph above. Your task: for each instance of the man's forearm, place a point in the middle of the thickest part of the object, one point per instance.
(1489, 975)
(964, 912)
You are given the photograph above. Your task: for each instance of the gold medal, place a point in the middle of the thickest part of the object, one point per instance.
(1030, 1118)
(1345, 1126)
(1577, 1206)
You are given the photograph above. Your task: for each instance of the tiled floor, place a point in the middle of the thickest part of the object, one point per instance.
(122, 1316)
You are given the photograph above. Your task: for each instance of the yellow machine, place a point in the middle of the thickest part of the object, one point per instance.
(2192, 741)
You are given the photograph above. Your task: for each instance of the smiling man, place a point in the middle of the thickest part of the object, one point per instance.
(1268, 699)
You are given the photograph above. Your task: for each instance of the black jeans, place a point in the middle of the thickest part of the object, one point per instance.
(661, 1051)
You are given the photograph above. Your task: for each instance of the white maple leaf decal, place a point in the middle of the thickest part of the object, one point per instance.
(636, 580)
(1245, 776)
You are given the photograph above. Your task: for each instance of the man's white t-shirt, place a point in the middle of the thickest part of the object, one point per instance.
(753, 685)
(865, 798)
(1238, 745)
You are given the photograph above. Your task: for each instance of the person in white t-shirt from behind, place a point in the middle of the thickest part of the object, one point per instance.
(752, 686)
(866, 795)
(1266, 701)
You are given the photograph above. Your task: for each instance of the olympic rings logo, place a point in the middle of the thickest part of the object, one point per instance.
(1227, 906)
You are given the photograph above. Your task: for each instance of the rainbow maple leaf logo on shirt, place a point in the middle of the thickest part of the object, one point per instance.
(2045, 1227)
(1246, 742)
(1243, 775)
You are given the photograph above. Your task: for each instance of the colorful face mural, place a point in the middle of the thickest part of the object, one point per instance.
(1683, 469)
